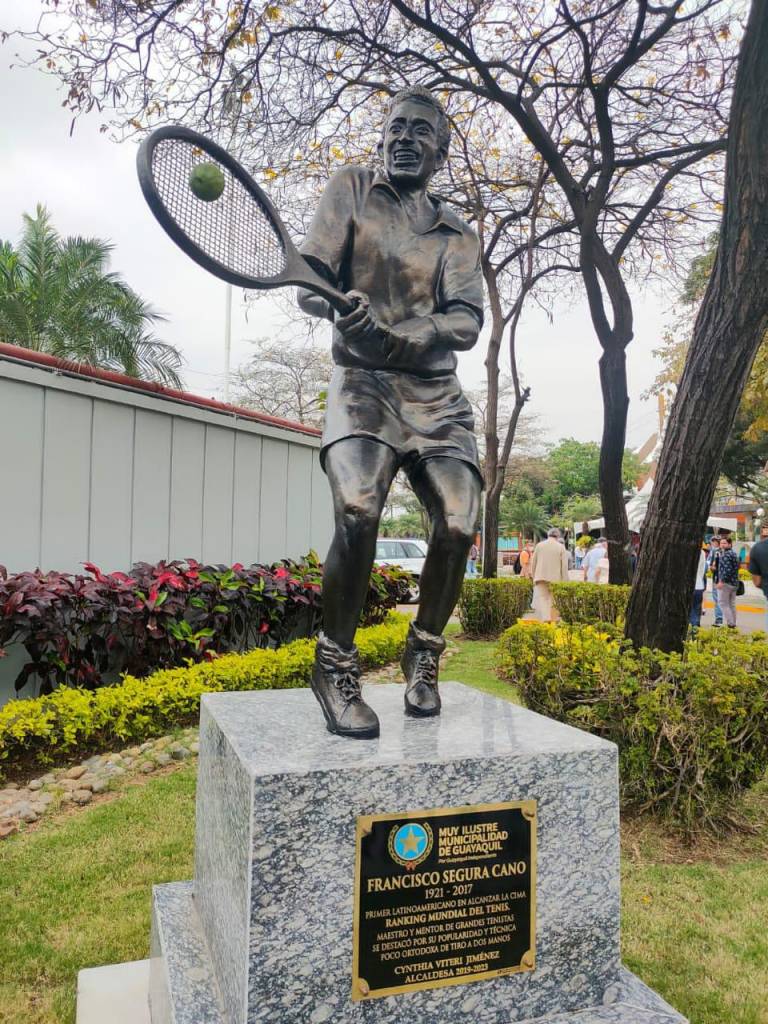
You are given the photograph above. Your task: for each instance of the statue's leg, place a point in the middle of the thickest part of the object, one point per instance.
(360, 472)
(450, 491)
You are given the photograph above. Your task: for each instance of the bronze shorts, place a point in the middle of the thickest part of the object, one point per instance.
(418, 417)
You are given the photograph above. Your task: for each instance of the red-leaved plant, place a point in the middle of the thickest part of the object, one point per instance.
(84, 630)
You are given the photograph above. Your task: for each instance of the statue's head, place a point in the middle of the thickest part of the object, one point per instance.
(416, 136)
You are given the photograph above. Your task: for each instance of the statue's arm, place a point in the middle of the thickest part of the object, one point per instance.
(311, 303)
(328, 239)
(459, 317)
(458, 327)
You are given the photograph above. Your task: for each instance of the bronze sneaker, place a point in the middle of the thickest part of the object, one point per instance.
(336, 684)
(420, 663)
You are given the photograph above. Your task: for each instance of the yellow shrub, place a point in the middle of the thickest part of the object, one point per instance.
(41, 729)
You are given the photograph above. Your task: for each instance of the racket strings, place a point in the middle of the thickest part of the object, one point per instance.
(234, 229)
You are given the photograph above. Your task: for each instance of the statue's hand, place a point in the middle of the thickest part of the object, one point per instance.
(405, 342)
(361, 324)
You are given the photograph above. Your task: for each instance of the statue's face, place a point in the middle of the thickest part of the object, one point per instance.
(410, 147)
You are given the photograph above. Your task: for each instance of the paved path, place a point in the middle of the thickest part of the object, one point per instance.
(750, 610)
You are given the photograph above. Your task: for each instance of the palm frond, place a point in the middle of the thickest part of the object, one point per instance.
(60, 297)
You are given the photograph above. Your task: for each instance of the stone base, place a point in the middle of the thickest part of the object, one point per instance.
(278, 798)
(118, 994)
(182, 986)
(183, 989)
(264, 934)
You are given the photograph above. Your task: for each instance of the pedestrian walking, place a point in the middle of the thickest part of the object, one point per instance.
(713, 560)
(700, 585)
(526, 557)
(474, 554)
(548, 565)
(728, 581)
(758, 564)
(591, 566)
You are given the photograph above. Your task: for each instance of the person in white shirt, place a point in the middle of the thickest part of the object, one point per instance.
(698, 592)
(548, 565)
(591, 564)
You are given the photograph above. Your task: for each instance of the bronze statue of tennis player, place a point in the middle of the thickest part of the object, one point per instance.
(412, 268)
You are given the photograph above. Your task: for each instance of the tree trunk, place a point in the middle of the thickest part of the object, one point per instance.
(613, 383)
(601, 275)
(491, 533)
(492, 496)
(491, 466)
(729, 329)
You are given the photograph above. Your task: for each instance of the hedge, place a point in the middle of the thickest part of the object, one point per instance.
(488, 607)
(87, 629)
(73, 719)
(591, 602)
(692, 728)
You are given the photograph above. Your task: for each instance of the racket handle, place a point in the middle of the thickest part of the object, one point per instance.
(305, 275)
(340, 302)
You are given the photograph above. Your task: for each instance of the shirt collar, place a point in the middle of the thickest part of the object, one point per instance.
(446, 218)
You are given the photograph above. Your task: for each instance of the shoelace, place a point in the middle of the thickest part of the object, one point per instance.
(347, 684)
(426, 668)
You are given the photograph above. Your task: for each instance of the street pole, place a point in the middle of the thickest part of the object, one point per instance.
(227, 340)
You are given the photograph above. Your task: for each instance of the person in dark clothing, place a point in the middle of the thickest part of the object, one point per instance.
(712, 561)
(758, 564)
(728, 581)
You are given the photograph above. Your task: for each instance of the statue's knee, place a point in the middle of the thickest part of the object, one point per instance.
(457, 531)
(358, 520)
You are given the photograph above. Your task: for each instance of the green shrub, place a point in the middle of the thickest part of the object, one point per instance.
(590, 602)
(70, 719)
(487, 607)
(692, 728)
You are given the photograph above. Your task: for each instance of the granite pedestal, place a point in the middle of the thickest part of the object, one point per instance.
(265, 931)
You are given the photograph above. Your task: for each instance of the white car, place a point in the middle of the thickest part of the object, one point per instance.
(407, 552)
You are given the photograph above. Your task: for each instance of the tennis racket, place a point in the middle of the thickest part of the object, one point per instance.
(239, 236)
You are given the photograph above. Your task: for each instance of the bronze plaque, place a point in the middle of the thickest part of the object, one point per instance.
(443, 897)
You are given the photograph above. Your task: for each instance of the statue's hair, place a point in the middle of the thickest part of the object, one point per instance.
(422, 95)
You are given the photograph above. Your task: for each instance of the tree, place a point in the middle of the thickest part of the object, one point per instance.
(521, 514)
(575, 470)
(575, 467)
(729, 329)
(746, 450)
(534, 473)
(409, 524)
(525, 239)
(578, 509)
(57, 296)
(288, 379)
(623, 101)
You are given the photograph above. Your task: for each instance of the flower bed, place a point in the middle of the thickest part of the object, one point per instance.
(72, 719)
(692, 728)
(85, 630)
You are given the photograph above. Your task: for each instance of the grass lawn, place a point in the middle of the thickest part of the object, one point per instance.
(474, 664)
(75, 892)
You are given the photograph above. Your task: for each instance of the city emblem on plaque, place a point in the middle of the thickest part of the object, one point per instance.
(410, 844)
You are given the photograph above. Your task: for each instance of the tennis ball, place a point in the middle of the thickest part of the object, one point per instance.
(206, 182)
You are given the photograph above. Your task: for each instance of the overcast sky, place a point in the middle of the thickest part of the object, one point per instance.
(89, 185)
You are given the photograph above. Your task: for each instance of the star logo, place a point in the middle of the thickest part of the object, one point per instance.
(410, 844)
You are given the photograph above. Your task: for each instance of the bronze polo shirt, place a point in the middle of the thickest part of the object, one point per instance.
(362, 239)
